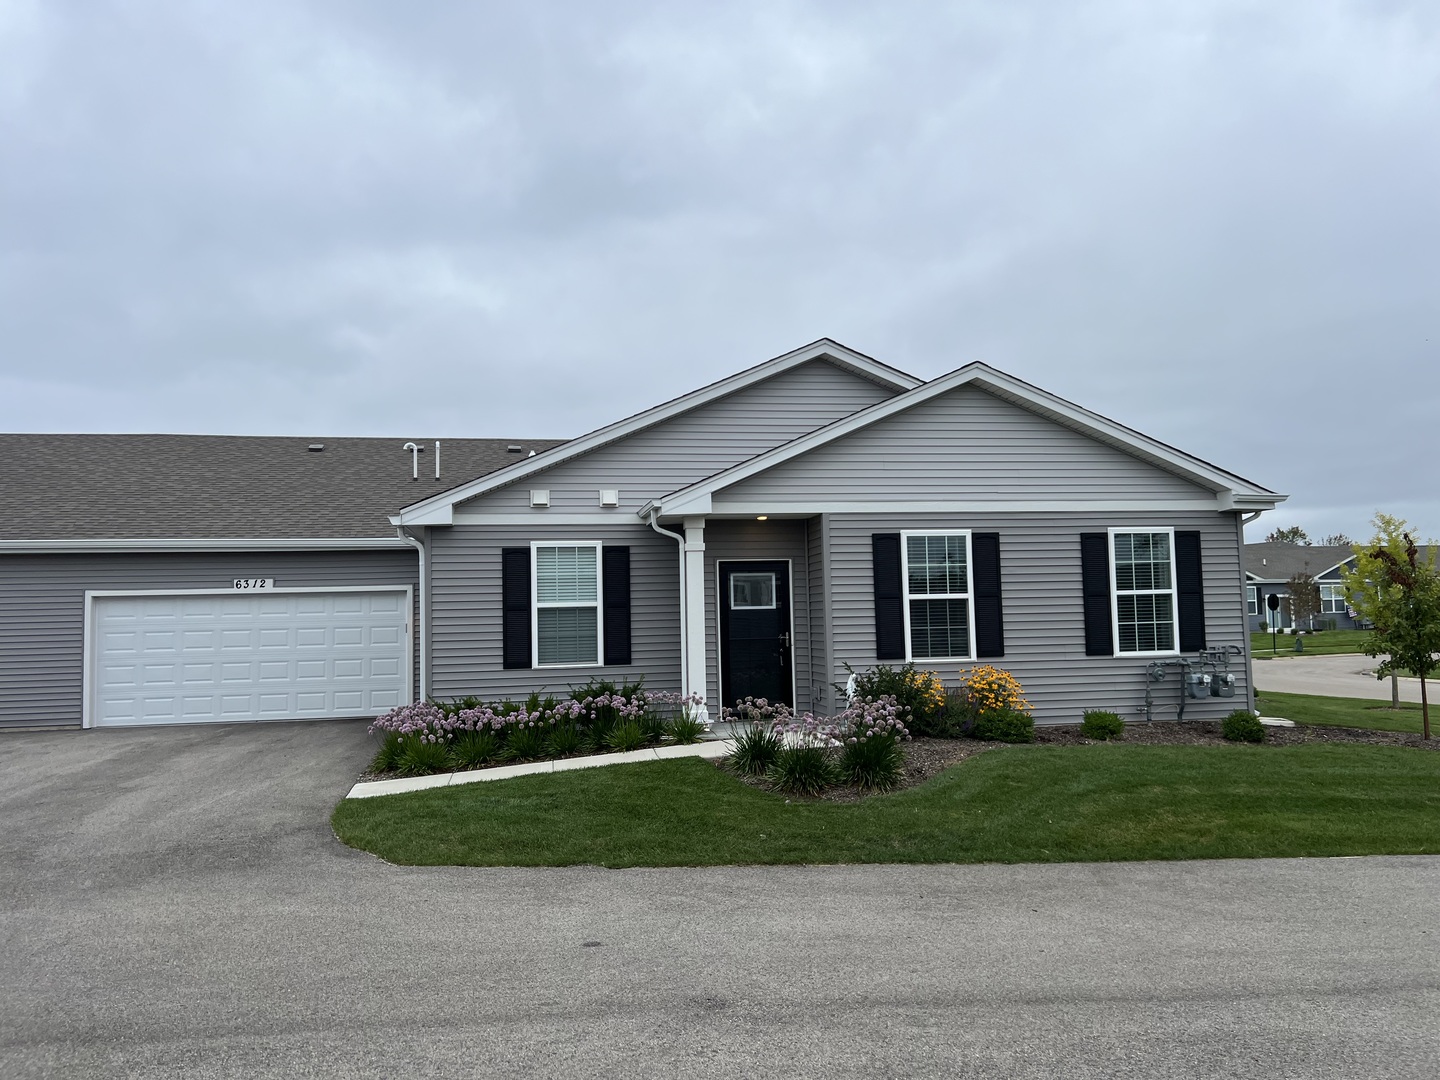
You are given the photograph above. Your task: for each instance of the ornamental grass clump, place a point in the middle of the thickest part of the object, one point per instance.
(421, 757)
(756, 749)
(1102, 725)
(626, 736)
(803, 770)
(475, 749)
(870, 734)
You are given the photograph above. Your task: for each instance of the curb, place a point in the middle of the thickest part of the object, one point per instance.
(372, 788)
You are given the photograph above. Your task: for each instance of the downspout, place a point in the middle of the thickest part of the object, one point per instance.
(421, 636)
(680, 555)
(1245, 519)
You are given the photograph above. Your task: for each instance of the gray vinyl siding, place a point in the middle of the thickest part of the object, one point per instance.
(466, 620)
(964, 445)
(42, 609)
(697, 444)
(772, 540)
(1044, 628)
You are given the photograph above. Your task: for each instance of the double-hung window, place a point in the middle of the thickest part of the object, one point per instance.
(1332, 599)
(566, 604)
(1143, 580)
(1252, 599)
(939, 616)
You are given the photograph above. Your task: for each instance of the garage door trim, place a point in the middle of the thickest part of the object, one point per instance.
(91, 652)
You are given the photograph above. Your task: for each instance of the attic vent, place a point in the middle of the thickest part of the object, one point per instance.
(513, 449)
(315, 447)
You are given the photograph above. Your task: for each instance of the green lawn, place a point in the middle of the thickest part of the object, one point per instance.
(1343, 712)
(1012, 804)
(1326, 643)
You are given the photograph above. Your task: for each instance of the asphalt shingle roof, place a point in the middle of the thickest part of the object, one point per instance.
(1281, 562)
(84, 487)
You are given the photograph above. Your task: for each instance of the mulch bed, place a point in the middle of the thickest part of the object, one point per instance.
(925, 757)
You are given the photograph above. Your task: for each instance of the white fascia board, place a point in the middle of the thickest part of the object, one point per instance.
(720, 508)
(344, 543)
(825, 349)
(541, 520)
(1227, 485)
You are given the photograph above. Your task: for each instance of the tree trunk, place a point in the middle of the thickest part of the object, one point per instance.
(1394, 690)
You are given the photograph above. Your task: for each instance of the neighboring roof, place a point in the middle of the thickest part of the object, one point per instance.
(1272, 561)
(437, 510)
(1275, 561)
(1238, 493)
(78, 488)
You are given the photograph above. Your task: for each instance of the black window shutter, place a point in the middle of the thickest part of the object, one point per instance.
(889, 596)
(989, 611)
(515, 607)
(1189, 591)
(616, 563)
(1095, 586)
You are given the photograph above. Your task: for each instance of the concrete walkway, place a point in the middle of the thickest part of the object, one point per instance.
(369, 789)
(1345, 675)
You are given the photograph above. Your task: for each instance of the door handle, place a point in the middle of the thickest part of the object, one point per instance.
(785, 639)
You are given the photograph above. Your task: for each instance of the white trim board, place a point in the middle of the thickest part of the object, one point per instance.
(89, 653)
(1232, 491)
(439, 509)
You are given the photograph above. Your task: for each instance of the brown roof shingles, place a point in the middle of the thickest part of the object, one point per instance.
(89, 487)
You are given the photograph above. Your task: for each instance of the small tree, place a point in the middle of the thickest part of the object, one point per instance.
(1293, 535)
(1337, 540)
(1400, 593)
(1304, 599)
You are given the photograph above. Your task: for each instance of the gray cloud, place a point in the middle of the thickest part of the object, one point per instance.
(1214, 222)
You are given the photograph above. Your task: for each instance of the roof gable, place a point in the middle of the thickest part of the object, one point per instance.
(1225, 489)
(439, 509)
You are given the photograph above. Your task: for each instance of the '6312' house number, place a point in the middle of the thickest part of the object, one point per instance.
(245, 584)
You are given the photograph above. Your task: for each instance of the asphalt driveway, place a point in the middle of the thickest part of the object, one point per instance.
(172, 904)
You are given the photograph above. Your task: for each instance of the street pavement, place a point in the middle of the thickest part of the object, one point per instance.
(173, 904)
(1341, 675)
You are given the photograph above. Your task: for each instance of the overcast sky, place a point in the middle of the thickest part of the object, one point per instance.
(1216, 222)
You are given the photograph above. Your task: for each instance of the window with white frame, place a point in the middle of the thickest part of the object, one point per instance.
(1252, 600)
(1332, 599)
(937, 595)
(1144, 580)
(567, 604)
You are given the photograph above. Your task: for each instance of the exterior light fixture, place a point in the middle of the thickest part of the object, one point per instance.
(762, 517)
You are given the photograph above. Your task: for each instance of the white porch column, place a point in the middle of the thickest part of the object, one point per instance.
(694, 660)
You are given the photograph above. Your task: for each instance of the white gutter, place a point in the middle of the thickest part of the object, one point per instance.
(421, 636)
(171, 543)
(680, 543)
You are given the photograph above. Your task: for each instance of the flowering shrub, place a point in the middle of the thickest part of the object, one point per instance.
(922, 693)
(539, 728)
(990, 688)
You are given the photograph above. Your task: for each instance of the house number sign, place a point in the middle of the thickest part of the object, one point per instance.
(245, 584)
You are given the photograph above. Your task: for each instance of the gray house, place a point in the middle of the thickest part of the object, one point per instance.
(1268, 570)
(753, 537)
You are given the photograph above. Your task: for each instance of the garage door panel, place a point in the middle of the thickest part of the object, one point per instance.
(224, 657)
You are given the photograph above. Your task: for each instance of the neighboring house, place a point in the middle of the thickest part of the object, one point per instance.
(1268, 570)
(758, 536)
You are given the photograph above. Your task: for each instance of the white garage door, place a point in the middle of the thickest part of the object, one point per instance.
(185, 659)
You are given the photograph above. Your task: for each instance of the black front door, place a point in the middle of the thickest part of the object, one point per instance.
(755, 632)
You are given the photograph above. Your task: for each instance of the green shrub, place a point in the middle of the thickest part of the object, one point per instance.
(1242, 726)
(1102, 725)
(756, 749)
(420, 757)
(387, 758)
(627, 736)
(564, 740)
(921, 692)
(684, 730)
(1004, 725)
(474, 749)
(525, 743)
(874, 764)
(802, 770)
(653, 727)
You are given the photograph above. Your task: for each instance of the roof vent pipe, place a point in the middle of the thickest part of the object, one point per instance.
(414, 449)
(437, 459)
